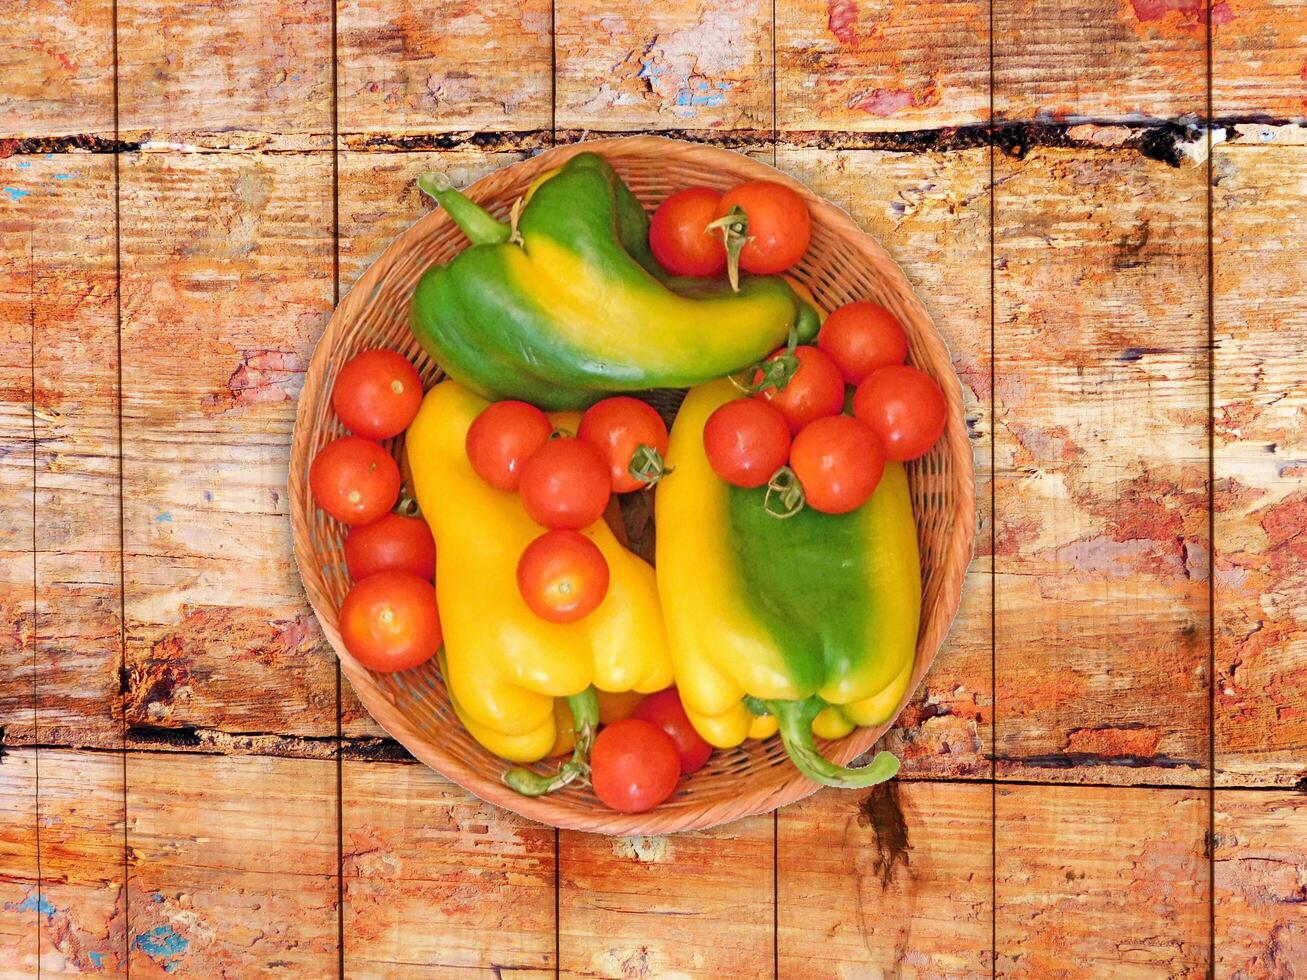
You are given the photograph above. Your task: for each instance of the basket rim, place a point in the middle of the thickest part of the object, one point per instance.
(938, 614)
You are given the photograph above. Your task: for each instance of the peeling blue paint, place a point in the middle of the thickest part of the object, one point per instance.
(97, 960)
(33, 903)
(24, 165)
(163, 943)
(16, 194)
(163, 518)
(64, 176)
(155, 897)
(703, 93)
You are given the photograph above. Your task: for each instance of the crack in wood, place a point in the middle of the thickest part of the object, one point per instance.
(1164, 141)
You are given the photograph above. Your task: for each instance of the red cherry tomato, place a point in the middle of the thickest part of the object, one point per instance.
(861, 337)
(814, 391)
(664, 710)
(389, 621)
(502, 438)
(354, 480)
(905, 408)
(377, 394)
(631, 436)
(779, 225)
(634, 765)
(746, 441)
(565, 484)
(680, 238)
(839, 461)
(393, 542)
(563, 576)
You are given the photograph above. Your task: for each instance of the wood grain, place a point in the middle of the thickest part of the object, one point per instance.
(83, 867)
(931, 211)
(1260, 198)
(74, 317)
(21, 910)
(233, 865)
(226, 279)
(1099, 60)
(635, 65)
(1097, 881)
(695, 904)
(1259, 58)
(56, 57)
(17, 461)
(411, 67)
(440, 884)
(1261, 884)
(881, 64)
(235, 73)
(894, 882)
(1101, 540)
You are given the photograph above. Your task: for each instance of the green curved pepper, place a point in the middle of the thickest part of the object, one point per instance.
(569, 305)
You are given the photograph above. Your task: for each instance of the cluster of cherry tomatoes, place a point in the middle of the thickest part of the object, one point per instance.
(389, 620)
(565, 482)
(640, 755)
(792, 433)
(695, 231)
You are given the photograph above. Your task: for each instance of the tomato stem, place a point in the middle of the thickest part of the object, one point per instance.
(785, 496)
(734, 227)
(647, 465)
(585, 722)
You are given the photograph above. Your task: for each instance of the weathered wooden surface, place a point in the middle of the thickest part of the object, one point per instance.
(896, 881)
(1083, 648)
(1260, 197)
(1093, 882)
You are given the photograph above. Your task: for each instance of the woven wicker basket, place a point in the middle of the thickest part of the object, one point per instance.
(842, 264)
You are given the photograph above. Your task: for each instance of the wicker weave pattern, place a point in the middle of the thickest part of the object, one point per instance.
(843, 264)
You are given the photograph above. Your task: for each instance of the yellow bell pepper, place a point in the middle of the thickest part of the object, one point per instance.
(504, 666)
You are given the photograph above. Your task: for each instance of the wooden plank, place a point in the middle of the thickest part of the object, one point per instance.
(881, 64)
(75, 363)
(233, 865)
(83, 866)
(440, 884)
(57, 62)
(17, 518)
(635, 65)
(895, 882)
(21, 906)
(931, 211)
(410, 68)
(1099, 60)
(248, 73)
(1260, 197)
(1098, 881)
(695, 904)
(379, 199)
(227, 282)
(1261, 883)
(1101, 541)
(1259, 58)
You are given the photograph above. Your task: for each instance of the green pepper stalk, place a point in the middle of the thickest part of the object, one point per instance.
(585, 722)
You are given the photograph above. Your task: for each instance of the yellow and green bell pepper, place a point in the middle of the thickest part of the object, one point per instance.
(808, 624)
(566, 304)
(503, 665)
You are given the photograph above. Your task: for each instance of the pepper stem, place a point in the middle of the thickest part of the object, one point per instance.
(794, 719)
(734, 227)
(585, 721)
(482, 227)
